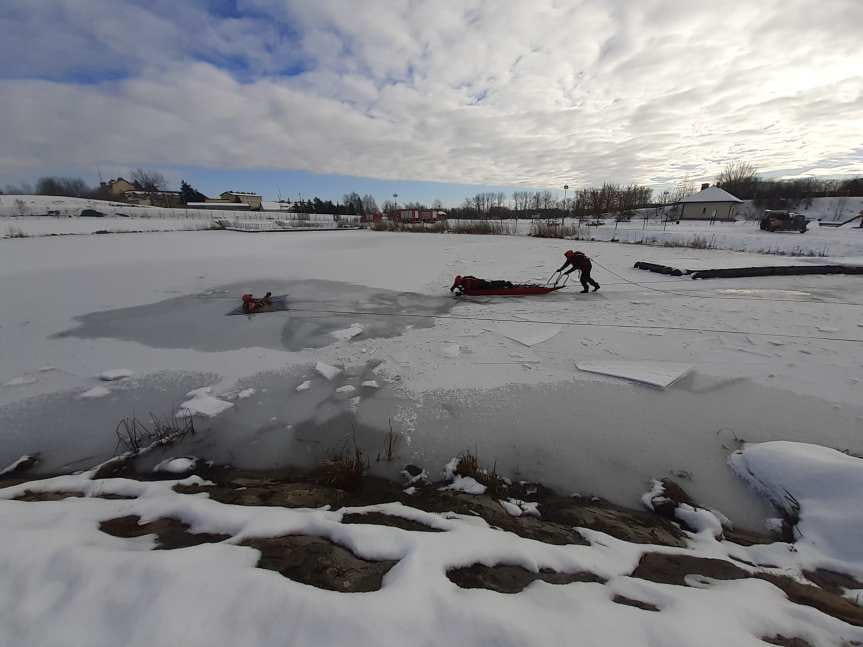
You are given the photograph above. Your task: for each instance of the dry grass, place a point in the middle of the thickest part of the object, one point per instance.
(551, 229)
(392, 442)
(440, 227)
(797, 251)
(489, 227)
(134, 436)
(468, 465)
(344, 469)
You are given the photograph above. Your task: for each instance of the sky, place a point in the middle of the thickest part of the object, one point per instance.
(428, 99)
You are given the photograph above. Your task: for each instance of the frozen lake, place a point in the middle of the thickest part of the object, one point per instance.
(771, 358)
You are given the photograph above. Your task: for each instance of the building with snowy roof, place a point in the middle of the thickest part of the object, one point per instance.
(711, 203)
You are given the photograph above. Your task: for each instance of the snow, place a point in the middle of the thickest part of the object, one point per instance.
(661, 374)
(246, 393)
(176, 465)
(348, 333)
(305, 386)
(517, 507)
(200, 402)
(327, 371)
(115, 374)
(346, 390)
(94, 393)
(466, 484)
(54, 557)
(824, 483)
(370, 384)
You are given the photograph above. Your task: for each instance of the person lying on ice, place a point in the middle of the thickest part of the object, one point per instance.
(580, 262)
(463, 283)
(252, 305)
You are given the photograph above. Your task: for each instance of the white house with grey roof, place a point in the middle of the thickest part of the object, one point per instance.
(711, 203)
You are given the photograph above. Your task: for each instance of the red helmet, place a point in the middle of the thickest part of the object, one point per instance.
(569, 253)
(458, 280)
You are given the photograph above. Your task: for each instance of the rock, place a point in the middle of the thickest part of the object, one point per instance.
(512, 579)
(381, 519)
(673, 569)
(319, 562)
(638, 604)
(170, 533)
(597, 514)
(22, 464)
(276, 493)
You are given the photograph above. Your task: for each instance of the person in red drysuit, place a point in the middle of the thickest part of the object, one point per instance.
(252, 305)
(580, 262)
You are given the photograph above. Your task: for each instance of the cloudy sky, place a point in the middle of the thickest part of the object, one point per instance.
(429, 95)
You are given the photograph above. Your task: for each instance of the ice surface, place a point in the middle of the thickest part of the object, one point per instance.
(202, 403)
(115, 374)
(348, 333)
(529, 334)
(95, 392)
(661, 374)
(327, 371)
(21, 381)
(450, 350)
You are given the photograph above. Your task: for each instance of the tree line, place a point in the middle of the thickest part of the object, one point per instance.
(741, 179)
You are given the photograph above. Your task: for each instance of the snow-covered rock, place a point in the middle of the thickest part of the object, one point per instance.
(177, 465)
(115, 374)
(370, 384)
(466, 484)
(820, 485)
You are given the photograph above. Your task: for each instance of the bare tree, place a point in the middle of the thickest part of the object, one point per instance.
(739, 178)
(369, 204)
(148, 180)
(62, 186)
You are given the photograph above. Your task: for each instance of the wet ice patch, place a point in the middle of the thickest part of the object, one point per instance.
(528, 334)
(94, 393)
(115, 374)
(660, 374)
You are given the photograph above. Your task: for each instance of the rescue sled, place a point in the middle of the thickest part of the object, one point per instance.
(514, 291)
(517, 289)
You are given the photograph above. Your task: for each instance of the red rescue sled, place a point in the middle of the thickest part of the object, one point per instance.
(514, 291)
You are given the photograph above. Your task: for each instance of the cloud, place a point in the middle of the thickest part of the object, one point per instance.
(536, 93)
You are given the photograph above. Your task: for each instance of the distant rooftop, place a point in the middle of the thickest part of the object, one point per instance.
(711, 194)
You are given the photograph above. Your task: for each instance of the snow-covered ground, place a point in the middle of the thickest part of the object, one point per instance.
(770, 358)
(679, 375)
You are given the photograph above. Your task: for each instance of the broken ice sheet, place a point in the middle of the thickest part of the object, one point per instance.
(661, 374)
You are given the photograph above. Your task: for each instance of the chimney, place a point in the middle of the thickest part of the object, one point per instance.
(705, 185)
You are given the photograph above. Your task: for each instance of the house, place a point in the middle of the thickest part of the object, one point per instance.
(153, 198)
(229, 197)
(416, 215)
(118, 187)
(711, 203)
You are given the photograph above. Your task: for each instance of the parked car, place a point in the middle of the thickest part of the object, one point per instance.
(777, 220)
(91, 213)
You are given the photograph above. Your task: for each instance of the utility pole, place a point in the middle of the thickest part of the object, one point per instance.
(563, 219)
